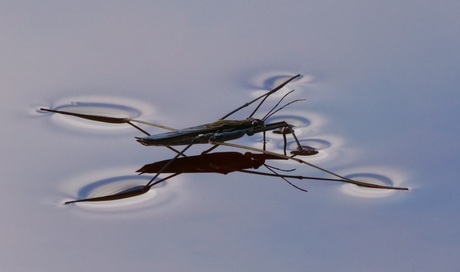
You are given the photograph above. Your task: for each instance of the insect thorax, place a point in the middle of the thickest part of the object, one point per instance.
(237, 124)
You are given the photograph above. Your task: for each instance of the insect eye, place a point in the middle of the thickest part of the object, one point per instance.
(256, 123)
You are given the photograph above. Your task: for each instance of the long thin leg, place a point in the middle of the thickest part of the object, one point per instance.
(284, 142)
(107, 119)
(153, 125)
(209, 150)
(148, 134)
(296, 140)
(264, 141)
(264, 96)
(138, 128)
(359, 183)
(171, 161)
(288, 182)
(151, 184)
(114, 120)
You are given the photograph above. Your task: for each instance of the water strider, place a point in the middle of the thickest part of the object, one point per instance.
(217, 133)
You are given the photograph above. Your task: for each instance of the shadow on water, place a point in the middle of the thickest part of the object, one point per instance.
(116, 188)
(89, 189)
(113, 188)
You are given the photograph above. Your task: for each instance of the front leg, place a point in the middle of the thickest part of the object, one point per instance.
(285, 129)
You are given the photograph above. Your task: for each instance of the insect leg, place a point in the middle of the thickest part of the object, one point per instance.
(344, 179)
(264, 96)
(290, 183)
(210, 149)
(150, 183)
(301, 150)
(138, 128)
(108, 119)
(113, 120)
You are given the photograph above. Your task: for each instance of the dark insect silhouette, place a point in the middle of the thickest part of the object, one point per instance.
(218, 133)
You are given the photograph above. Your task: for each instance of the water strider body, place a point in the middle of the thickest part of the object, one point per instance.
(219, 131)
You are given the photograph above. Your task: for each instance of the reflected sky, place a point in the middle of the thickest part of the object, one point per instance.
(381, 90)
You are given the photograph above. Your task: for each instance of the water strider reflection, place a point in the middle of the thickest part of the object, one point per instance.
(222, 163)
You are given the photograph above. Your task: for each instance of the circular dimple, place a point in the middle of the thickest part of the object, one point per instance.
(115, 185)
(304, 150)
(35, 110)
(275, 80)
(318, 144)
(102, 109)
(112, 185)
(302, 125)
(271, 80)
(97, 106)
(294, 120)
(90, 125)
(396, 180)
(266, 83)
(108, 183)
(328, 147)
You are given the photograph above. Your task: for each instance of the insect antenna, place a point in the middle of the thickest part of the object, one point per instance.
(268, 113)
(258, 106)
(264, 96)
(284, 106)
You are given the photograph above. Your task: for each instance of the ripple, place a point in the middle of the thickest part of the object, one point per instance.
(267, 82)
(293, 119)
(375, 175)
(109, 182)
(104, 109)
(272, 79)
(329, 147)
(98, 105)
(34, 110)
(318, 144)
(304, 122)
